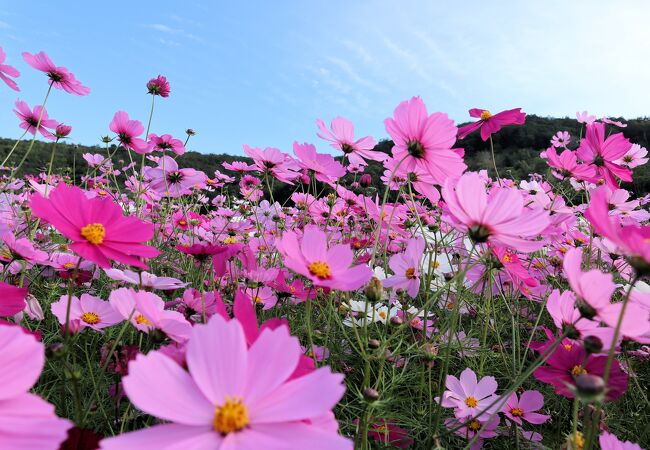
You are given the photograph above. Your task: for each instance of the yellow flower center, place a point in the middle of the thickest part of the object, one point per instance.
(578, 370)
(474, 425)
(435, 265)
(471, 402)
(507, 258)
(68, 266)
(232, 416)
(94, 233)
(382, 314)
(568, 347)
(517, 412)
(577, 440)
(140, 319)
(90, 318)
(485, 115)
(410, 273)
(182, 222)
(258, 299)
(320, 269)
(230, 240)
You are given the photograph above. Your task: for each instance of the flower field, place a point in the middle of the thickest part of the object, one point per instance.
(145, 305)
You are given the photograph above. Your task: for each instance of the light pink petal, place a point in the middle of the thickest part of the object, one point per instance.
(21, 361)
(165, 437)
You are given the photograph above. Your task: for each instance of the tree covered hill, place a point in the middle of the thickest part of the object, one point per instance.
(517, 151)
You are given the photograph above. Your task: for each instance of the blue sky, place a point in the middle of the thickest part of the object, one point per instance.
(260, 73)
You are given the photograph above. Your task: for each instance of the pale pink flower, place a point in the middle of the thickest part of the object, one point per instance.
(324, 167)
(342, 138)
(469, 396)
(89, 311)
(523, 407)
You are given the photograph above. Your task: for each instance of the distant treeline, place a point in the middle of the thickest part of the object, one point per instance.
(517, 151)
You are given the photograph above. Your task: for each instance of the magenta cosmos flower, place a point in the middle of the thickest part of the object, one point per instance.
(406, 268)
(523, 408)
(566, 166)
(324, 167)
(26, 420)
(468, 396)
(166, 142)
(342, 138)
(425, 140)
(97, 227)
(271, 160)
(128, 131)
(499, 217)
(29, 120)
(491, 123)
(325, 267)
(59, 77)
(158, 86)
(603, 152)
(87, 312)
(7, 71)
(632, 240)
(232, 396)
(12, 299)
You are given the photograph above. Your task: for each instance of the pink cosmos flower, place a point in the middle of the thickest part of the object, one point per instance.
(59, 77)
(602, 152)
(62, 131)
(468, 396)
(474, 426)
(608, 441)
(158, 86)
(271, 160)
(498, 217)
(239, 166)
(166, 142)
(324, 167)
(326, 267)
(595, 289)
(420, 179)
(145, 279)
(561, 139)
(12, 299)
(7, 71)
(491, 123)
(388, 433)
(566, 166)
(128, 131)
(168, 180)
(21, 249)
(584, 117)
(632, 240)
(89, 311)
(523, 407)
(342, 138)
(99, 231)
(26, 420)
(29, 120)
(232, 396)
(146, 311)
(406, 268)
(634, 157)
(425, 140)
(562, 308)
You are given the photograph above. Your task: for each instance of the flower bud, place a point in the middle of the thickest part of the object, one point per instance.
(590, 385)
(190, 132)
(374, 344)
(365, 180)
(593, 344)
(62, 130)
(396, 320)
(374, 290)
(371, 394)
(55, 350)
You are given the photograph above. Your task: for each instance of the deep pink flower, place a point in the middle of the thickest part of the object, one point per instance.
(523, 407)
(29, 120)
(62, 131)
(166, 142)
(158, 86)
(233, 396)
(498, 217)
(168, 180)
(128, 131)
(26, 420)
(425, 140)
(566, 166)
(469, 396)
(491, 123)
(324, 167)
(603, 152)
(342, 138)
(388, 433)
(570, 360)
(326, 267)
(97, 227)
(60, 77)
(7, 71)
(89, 311)
(12, 299)
(406, 268)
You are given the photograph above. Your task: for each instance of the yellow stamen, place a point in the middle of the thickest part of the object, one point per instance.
(471, 402)
(94, 233)
(578, 370)
(410, 273)
(231, 416)
(140, 319)
(90, 318)
(517, 412)
(320, 269)
(382, 314)
(485, 115)
(68, 266)
(474, 425)
(230, 240)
